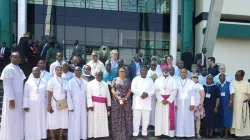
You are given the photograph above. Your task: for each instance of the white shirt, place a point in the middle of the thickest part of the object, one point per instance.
(53, 66)
(138, 86)
(137, 64)
(197, 88)
(96, 66)
(202, 59)
(202, 79)
(2, 52)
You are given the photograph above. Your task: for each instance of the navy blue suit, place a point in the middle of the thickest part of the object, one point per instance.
(131, 70)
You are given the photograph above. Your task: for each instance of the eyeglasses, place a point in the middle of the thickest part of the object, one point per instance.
(195, 77)
(153, 64)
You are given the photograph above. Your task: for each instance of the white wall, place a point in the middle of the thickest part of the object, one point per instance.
(234, 53)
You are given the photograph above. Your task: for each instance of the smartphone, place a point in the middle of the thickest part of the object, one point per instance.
(51, 111)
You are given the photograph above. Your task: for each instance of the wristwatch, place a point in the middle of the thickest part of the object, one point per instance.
(230, 102)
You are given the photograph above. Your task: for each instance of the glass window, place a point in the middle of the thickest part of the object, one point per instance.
(69, 50)
(34, 1)
(146, 6)
(75, 3)
(93, 4)
(127, 38)
(36, 30)
(146, 39)
(93, 36)
(110, 4)
(163, 6)
(129, 5)
(54, 2)
(58, 32)
(74, 33)
(127, 55)
(110, 37)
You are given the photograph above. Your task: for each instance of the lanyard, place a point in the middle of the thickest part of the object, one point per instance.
(43, 74)
(79, 84)
(183, 85)
(113, 64)
(61, 83)
(37, 84)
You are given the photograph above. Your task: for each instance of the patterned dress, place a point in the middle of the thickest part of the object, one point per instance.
(121, 115)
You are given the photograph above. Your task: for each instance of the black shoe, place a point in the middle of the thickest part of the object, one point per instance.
(135, 137)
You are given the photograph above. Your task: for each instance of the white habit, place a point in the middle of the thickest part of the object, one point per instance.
(96, 66)
(52, 68)
(12, 119)
(150, 73)
(44, 75)
(98, 119)
(185, 117)
(35, 98)
(76, 98)
(141, 107)
(164, 86)
(58, 119)
(67, 76)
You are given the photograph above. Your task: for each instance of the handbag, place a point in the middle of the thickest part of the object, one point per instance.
(61, 104)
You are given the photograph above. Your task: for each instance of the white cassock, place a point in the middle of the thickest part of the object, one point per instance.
(35, 98)
(184, 117)
(98, 66)
(44, 75)
(166, 88)
(76, 98)
(52, 68)
(141, 107)
(58, 119)
(69, 75)
(12, 119)
(98, 96)
(158, 72)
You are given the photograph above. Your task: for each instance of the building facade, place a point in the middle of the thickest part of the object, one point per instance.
(153, 27)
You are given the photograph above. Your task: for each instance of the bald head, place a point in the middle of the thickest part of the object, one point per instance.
(15, 58)
(36, 72)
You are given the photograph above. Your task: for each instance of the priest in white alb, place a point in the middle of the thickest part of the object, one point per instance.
(76, 98)
(34, 104)
(153, 73)
(44, 74)
(185, 101)
(143, 89)
(166, 90)
(12, 109)
(98, 103)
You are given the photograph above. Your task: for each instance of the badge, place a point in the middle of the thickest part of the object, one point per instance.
(222, 94)
(208, 95)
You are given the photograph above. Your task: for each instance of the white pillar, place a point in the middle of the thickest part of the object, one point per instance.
(173, 29)
(22, 19)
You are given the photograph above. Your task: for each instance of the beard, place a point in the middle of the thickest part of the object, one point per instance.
(165, 73)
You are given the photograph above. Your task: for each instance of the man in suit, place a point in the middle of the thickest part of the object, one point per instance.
(4, 56)
(202, 56)
(187, 58)
(79, 51)
(134, 68)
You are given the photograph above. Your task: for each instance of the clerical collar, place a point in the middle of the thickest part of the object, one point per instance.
(143, 77)
(86, 75)
(183, 79)
(58, 77)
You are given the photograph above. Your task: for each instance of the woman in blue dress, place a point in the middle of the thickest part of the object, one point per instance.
(211, 104)
(225, 107)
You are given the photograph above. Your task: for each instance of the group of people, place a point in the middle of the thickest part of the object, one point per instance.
(80, 98)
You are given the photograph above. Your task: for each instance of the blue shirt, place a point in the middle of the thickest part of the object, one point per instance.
(109, 76)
